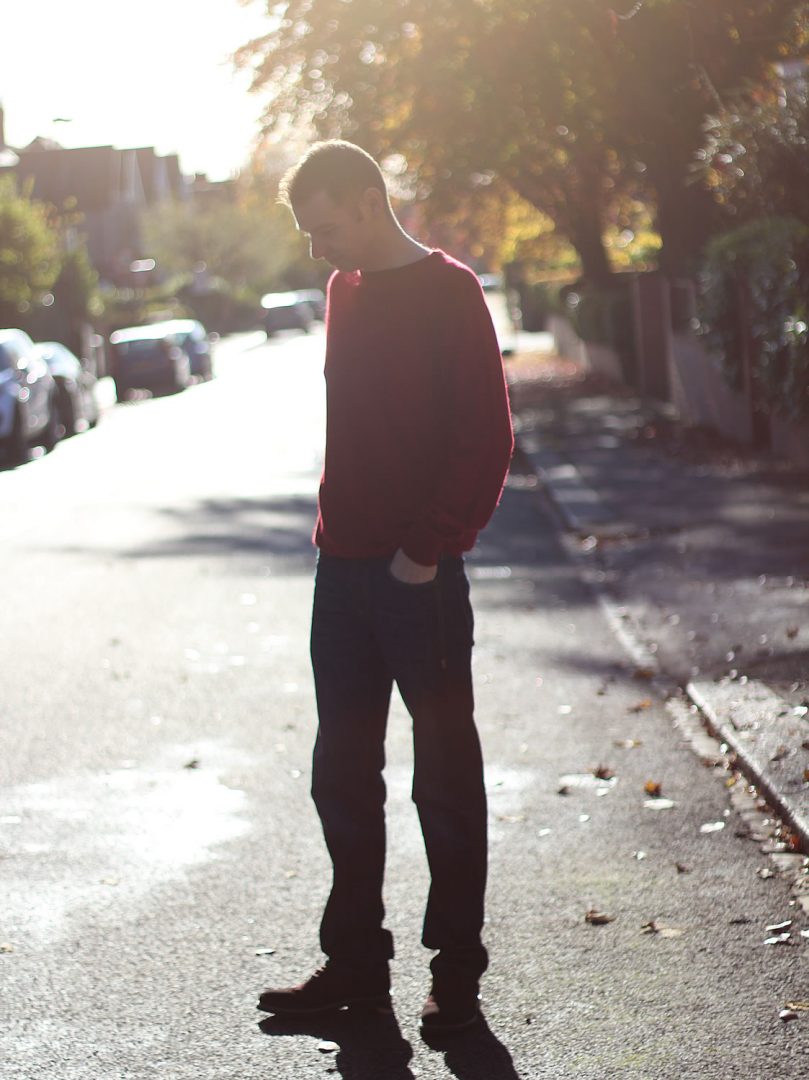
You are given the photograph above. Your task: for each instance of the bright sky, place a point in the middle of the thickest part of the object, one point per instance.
(149, 73)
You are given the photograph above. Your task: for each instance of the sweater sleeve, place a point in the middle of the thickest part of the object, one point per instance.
(479, 440)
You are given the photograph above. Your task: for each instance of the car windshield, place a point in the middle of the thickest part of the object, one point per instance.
(138, 348)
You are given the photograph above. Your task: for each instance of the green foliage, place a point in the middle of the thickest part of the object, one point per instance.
(246, 245)
(29, 252)
(755, 294)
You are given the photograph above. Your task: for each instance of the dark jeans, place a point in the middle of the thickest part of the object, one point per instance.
(369, 631)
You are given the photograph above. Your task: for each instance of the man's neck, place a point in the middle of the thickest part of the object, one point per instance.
(396, 250)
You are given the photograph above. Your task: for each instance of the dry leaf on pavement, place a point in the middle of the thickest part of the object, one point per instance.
(653, 788)
(640, 706)
(598, 918)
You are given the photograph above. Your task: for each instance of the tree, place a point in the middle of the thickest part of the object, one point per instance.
(756, 157)
(29, 252)
(577, 107)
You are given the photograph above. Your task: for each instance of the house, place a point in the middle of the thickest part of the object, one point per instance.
(110, 188)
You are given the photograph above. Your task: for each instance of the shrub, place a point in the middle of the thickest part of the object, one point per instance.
(755, 285)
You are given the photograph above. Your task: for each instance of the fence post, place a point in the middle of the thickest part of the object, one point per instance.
(760, 438)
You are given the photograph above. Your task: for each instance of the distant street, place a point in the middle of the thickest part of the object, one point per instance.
(160, 860)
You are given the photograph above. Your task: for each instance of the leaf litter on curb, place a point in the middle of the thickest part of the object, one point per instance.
(653, 788)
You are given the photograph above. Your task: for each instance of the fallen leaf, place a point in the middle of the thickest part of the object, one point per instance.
(511, 819)
(583, 818)
(326, 1047)
(740, 920)
(661, 930)
(194, 763)
(265, 952)
(639, 855)
(586, 780)
(712, 827)
(781, 753)
(806, 775)
(787, 1014)
(653, 788)
(544, 832)
(563, 790)
(792, 632)
(640, 706)
(643, 674)
(765, 873)
(627, 744)
(778, 939)
(603, 772)
(798, 1006)
(6, 947)
(659, 804)
(598, 918)
(682, 868)
(779, 928)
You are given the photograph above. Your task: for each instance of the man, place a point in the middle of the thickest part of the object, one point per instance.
(417, 447)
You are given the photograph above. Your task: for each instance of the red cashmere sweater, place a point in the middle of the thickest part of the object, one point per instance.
(418, 432)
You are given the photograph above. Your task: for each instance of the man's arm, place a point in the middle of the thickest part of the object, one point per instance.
(479, 437)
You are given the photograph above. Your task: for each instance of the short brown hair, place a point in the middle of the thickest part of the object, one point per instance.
(335, 167)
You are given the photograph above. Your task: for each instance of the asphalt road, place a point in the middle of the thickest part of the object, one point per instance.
(160, 860)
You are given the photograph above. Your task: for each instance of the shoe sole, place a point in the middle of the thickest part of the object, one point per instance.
(379, 1003)
(432, 1028)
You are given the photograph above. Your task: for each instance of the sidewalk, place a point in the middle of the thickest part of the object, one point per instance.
(700, 548)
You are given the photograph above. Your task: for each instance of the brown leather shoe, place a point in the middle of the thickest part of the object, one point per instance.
(450, 1007)
(333, 986)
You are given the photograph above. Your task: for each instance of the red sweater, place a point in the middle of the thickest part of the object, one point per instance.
(418, 434)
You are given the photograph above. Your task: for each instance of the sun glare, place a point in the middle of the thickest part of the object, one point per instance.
(155, 74)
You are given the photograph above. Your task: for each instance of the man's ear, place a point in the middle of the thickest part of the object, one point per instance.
(372, 202)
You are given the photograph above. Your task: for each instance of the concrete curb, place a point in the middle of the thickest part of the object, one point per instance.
(761, 729)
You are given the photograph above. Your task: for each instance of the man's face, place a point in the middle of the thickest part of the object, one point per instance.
(339, 232)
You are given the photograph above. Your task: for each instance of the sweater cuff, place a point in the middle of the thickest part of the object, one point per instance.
(423, 545)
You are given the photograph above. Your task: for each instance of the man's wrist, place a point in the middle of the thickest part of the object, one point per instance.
(407, 570)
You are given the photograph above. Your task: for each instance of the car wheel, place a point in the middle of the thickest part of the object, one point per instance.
(50, 434)
(67, 416)
(19, 450)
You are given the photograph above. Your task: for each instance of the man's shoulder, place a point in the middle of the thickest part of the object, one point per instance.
(456, 276)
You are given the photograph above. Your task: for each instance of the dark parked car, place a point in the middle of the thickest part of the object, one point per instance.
(196, 341)
(148, 358)
(28, 400)
(286, 311)
(75, 388)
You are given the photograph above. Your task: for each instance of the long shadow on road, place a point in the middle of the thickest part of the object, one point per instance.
(372, 1047)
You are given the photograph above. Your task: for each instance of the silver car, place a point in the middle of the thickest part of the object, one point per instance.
(29, 413)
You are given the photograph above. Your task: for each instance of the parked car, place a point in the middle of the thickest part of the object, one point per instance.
(196, 341)
(29, 413)
(286, 311)
(77, 407)
(148, 358)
